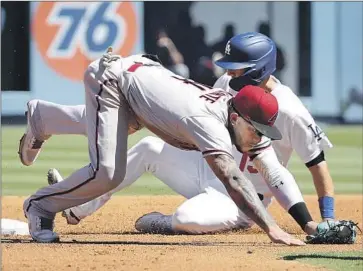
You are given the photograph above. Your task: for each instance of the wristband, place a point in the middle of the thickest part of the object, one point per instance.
(326, 206)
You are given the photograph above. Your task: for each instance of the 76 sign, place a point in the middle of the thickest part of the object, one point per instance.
(90, 28)
(69, 35)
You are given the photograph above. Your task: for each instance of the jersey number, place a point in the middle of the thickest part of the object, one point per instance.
(243, 163)
(193, 83)
(209, 97)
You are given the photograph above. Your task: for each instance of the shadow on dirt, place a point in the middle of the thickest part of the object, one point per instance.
(318, 256)
(141, 233)
(139, 243)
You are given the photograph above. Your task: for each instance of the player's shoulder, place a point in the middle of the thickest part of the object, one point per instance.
(290, 106)
(224, 77)
(222, 82)
(140, 58)
(133, 59)
(126, 61)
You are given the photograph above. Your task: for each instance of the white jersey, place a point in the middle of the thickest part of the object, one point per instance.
(298, 128)
(183, 113)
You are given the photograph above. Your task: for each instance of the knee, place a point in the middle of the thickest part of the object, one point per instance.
(34, 107)
(110, 176)
(193, 223)
(150, 148)
(81, 111)
(208, 213)
(182, 224)
(184, 220)
(32, 104)
(87, 73)
(151, 145)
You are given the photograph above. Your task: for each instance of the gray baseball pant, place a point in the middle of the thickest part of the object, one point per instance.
(107, 130)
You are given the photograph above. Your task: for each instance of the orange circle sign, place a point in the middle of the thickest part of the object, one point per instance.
(70, 35)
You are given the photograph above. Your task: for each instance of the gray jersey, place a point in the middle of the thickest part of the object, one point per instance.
(182, 112)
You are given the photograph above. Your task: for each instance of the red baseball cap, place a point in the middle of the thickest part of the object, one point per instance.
(259, 108)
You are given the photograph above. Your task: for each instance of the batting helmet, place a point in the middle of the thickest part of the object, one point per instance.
(253, 52)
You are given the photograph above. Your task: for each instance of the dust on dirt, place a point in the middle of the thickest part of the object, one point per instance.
(108, 241)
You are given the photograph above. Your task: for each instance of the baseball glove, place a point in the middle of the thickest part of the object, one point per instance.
(334, 232)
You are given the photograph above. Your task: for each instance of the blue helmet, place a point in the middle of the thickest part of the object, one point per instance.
(253, 52)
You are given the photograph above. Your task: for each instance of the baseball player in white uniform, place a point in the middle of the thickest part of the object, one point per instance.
(193, 178)
(138, 89)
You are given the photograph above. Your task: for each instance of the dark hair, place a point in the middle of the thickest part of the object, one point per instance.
(264, 28)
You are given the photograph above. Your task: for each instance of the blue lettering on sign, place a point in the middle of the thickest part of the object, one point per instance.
(91, 27)
(76, 16)
(98, 20)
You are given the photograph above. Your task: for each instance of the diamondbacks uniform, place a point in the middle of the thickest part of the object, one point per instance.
(183, 113)
(186, 115)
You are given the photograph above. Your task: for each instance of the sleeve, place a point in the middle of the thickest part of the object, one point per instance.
(279, 180)
(307, 138)
(209, 135)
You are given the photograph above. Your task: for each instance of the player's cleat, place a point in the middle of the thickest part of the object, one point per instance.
(53, 178)
(154, 222)
(29, 146)
(41, 229)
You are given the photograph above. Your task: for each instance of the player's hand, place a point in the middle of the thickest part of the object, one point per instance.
(277, 235)
(108, 58)
(165, 42)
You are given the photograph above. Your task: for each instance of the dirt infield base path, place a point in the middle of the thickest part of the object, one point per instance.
(107, 241)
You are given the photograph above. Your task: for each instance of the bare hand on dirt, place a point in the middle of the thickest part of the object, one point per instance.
(277, 235)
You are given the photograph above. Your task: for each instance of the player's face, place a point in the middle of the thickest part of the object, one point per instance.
(235, 73)
(246, 135)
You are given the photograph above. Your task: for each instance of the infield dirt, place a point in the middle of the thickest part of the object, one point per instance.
(108, 241)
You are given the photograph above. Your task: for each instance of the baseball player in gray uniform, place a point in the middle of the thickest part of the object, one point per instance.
(120, 91)
(190, 178)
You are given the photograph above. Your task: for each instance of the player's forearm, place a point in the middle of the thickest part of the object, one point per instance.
(245, 196)
(322, 180)
(280, 181)
(176, 57)
(284, 187)
(241, 190)
(325, 189)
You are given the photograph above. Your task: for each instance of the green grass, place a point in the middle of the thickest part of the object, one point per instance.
(68, 153)
(345, 261)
